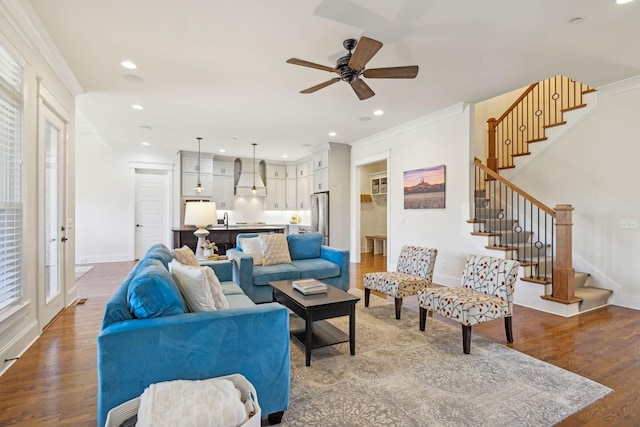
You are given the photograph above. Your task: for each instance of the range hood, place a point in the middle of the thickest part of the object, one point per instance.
(247, 176)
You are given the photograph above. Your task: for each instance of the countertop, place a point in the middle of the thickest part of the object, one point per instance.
(237, 227)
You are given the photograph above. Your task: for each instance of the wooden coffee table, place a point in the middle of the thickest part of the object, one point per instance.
(314, 309)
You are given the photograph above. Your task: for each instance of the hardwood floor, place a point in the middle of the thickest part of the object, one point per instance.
(54, 382)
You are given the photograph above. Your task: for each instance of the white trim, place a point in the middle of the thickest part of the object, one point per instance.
(52, 102)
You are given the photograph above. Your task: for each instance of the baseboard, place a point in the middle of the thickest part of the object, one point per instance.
(18, 345)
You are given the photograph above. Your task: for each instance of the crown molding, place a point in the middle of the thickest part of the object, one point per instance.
(32, 30)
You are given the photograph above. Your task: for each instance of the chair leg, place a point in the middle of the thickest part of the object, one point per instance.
(367, 294)
(398, 307)
(423, 318)
(466, 339)
(508, 328)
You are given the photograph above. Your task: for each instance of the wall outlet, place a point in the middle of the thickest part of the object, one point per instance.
(629, 224)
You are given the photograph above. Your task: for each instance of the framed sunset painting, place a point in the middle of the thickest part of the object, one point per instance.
(424, 188)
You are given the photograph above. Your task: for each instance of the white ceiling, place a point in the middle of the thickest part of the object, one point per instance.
(216, 69)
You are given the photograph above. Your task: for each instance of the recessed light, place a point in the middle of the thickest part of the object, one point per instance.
(623, 1)
(137, 107)
(145, 143)
(378, 113)
(364, 119)
(129, 65)
(133, 78)
(285, 156)
(222, 150)
(332, 134)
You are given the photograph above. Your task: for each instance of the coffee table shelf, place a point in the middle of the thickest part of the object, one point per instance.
(324, 333)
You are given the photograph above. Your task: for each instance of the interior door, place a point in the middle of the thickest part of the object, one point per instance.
(53, 195)
(151, 210)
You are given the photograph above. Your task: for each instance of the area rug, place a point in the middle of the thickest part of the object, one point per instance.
(401, 376)
(81, 270)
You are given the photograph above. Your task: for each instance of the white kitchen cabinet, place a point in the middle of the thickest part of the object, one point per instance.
(189, 181)
(276, 171)
(321, 180)
(304, 169)
(291, 192)
(321, 160)
(223, 194)
(223, 167)
(190, 164)
(276, 194)
(303, 193)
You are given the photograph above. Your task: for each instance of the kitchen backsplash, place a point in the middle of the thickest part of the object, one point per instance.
(251, 209)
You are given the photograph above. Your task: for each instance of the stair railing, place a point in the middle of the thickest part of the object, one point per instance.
(527, 230)
(540, 107)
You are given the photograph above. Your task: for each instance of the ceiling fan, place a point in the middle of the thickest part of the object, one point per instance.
(351, 68)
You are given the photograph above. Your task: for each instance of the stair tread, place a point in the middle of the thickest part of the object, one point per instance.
(541, 281)
(551, 125)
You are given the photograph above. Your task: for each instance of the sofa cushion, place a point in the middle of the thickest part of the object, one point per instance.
(263, 275)
(252, 246)
(153, 293)
(316, 268)
(231, 288)
(194, 286)
(161, 253)
(275, 249)
(304, 246)
(240, 301)
(185, 256)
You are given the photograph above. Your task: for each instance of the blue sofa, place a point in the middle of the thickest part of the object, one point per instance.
(310, 259)
(133, 352)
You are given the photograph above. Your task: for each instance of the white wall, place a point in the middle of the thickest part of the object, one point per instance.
(442, 138)
(19, 325)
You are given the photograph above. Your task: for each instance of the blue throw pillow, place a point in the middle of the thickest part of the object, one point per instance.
(304, 246)
(152, 292)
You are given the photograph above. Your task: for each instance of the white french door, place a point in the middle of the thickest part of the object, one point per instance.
(52, 149)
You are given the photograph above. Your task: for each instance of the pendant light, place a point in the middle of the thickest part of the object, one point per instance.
(198, 184)
(254, 189)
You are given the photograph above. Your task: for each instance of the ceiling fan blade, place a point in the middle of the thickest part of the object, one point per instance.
(408, 72)
(296, 61)
(362, 89)
(365, 49)
(321, 85)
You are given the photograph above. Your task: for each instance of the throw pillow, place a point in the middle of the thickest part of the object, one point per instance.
(216, 289)
(251, 246)
(152, 293)
(194, 286)
(275, 249)
(185, 256)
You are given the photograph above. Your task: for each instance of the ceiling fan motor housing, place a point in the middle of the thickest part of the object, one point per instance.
(347, 73)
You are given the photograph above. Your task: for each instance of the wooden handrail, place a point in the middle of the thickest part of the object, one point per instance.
(516, 102)
(515, 188)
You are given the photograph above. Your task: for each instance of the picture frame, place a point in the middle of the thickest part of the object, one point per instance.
(425, 188)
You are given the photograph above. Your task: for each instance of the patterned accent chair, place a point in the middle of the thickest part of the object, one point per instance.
(486, 294)
(414, 272)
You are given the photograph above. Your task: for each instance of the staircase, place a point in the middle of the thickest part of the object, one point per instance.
(517, 225)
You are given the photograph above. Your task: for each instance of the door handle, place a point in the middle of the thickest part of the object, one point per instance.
(64, 239)
(138, 225)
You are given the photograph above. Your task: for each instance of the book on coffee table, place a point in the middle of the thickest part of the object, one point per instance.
(309, 286)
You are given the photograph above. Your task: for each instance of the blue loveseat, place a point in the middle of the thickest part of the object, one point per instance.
(133, 352)
(310, 259)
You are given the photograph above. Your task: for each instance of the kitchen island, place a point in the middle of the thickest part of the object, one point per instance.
(223, 236)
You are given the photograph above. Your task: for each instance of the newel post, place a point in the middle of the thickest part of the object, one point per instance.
(564, 275)
(492, 159)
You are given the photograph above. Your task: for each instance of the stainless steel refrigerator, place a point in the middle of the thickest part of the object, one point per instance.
(320, 215)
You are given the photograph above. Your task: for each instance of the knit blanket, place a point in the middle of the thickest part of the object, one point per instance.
(213, 402)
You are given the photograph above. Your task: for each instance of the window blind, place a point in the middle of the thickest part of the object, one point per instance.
(11, 100)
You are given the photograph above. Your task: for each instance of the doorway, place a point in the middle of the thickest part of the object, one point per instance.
(373, 206)
(152, 210)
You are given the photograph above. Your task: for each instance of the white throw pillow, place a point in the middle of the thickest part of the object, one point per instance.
(194, 285)
(275, 249)
(251, 246)
(185, 256)
(216, 289)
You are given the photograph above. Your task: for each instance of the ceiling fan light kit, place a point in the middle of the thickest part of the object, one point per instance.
(351, 68)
